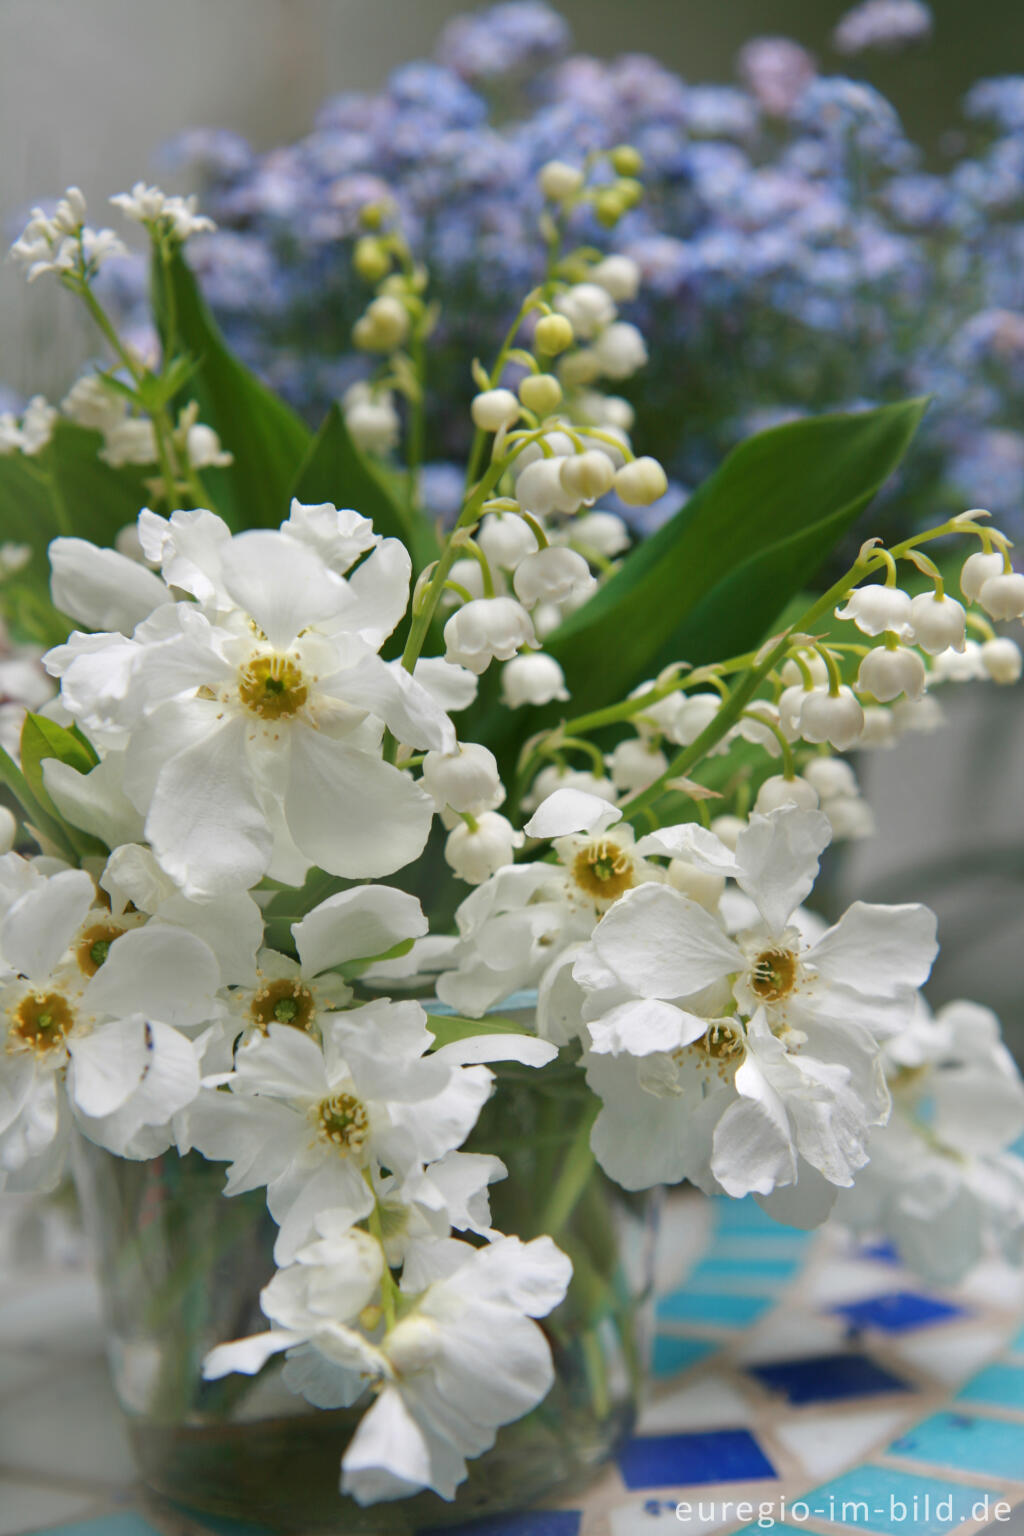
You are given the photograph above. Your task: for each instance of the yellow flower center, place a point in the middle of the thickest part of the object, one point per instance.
(42, 1022)
(773, 975)
(283, 1002)
(342, 1120)
(93, 947)
(603, 869)
(272, 687)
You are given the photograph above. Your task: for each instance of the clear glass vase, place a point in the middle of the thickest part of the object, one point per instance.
(181, 1268)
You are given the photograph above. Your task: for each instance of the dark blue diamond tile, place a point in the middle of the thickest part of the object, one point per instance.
(898, 1311)
(827, 1378)
(881, 1253)
(671, 1461)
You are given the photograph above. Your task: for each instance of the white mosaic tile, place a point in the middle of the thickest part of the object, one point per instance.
(710, 1402)
(828, 1443)
(791, 1336)
(950, 1355)
(28, 1507)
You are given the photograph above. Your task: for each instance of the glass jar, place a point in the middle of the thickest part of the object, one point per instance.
(181, 1268)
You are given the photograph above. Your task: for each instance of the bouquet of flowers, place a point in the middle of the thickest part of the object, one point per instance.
(244, 931)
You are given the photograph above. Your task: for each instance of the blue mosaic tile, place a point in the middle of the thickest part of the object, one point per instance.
(533, 1522)
(767, 1273)
(715, 1456)
(992, 1447)
(894, 1503)
(898, 1311)
(881, 1253)
(827, 1378)
(673, 1354)
(728, 1311)
(998, 1384)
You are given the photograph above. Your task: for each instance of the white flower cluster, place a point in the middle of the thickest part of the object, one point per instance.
(30, 432)
(61, 241)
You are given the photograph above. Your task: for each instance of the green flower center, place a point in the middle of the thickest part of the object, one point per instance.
(343, 1122)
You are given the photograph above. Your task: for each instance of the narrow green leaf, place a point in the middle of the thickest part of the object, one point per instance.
(36, 814)
(42, 738)
(445, 1028)
(267, 439)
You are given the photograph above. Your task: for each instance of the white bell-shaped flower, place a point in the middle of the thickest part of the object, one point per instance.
(485, 630)
(641, 482)
(1003, 596)
(478, 851)
(977, 569)
(831, 776)
(620, 350)
(505, 539)
(533, 678)
(875, 608)
(887, 673)
(588, 475)
(552, 575)
(778, 791)
(466, 779)
(601, 533)
(588, 307)
(833, 717)
(619, 276)
(539, 489)
(1002, 659)
(634, 764)
(938, 623)
(493, 409)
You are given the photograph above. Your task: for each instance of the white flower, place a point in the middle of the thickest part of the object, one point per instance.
(533, 678)
(384, 326)
(1001, 659)
(559, 776)
(465, 780)
(252, 718)
(493, 409)
(37, 425)
(1003, 596)
(778, 791)
(620, 350)
(640, 482)
(887, 673)
(129, 441)
(539, 488)
(371, 417)
(938, 623)
(62, 242)
(559, 181)
(200, 443)
(463, 1360)
(174, 215)
(506, 539)
(90, 1010)
(553, 575)
(101, 588)
(977, 569)
(619, 276)
(477, 848)
(635, 764)
(91, 404)
(586, 476)
(588, 307)
(875, 608)
(831, 776)
(600, 533)
(833, 717)
(485, 630)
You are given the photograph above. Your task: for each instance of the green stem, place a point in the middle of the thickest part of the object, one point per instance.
(573, 1176)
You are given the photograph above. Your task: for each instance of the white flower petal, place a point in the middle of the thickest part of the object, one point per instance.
(161, 973)
(880, 950)
(381, 589)
(94, 801)
(388, 1457)
(662, 945)
(408, 709)
(351, 813)
(571, 810)
(638, 1028)
(40, 926)
(107, 1065)
(353, 925)
(503, 1046)
(100, 588)
(281, 584)
(778, 858)
(248, 1355)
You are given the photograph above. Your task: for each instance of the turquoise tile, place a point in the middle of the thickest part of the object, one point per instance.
(967, 1442)
(1017, 1347)
(767, 1273)
(997, 1384)
(673, 1354)
(727, 1311)
(893, 1503)
(107, 1525)
(746, 1216)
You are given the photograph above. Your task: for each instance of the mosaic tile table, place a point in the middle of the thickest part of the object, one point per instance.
(794, 1374)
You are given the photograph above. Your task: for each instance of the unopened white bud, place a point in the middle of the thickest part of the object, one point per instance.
(540, 392)
(587, 307)
(467, 573)
(559, 181)
(466, 779)
(779, 791)
(700, 885)
(756, 724)
(964, 666)
(8, 830)
(601, 532)
(977, 569)
(879, 728)
(641, 482)
(836, 718)
(923, 715)
(831, 776)
(539, 489)
(939, 623)
(728, 829)
(588, 475)
(553, 334)
(478, 852)
(580, 368)
(634, 764)
(506, 539)
(546, 619)
(875, 608)
(533, 678)
(620, 350)
(1003, 596)
(493, 409)
(384, 326)
(1002, 659)
(619, 276)
(556, 776)
(552, 575)
(485, 630)
(849, 817)
(791, 702)
(793, 676)
(693, 714)
(888, 673)
(371, 417)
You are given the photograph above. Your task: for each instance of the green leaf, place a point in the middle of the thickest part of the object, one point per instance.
(42, 738)
(42, 818)
(268, 440)
(350, 969)
(448, 1027)
(710, 583)
(335, 470)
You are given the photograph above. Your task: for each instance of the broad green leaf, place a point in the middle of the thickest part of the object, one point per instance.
(268, 440)
(335, 470)
(42, 738)
(445, 1028)
(712, 581)
(41, 817)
